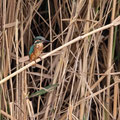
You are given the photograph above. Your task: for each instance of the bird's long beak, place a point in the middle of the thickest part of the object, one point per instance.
(46, 41)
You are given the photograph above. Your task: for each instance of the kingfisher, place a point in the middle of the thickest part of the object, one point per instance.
(37, 48)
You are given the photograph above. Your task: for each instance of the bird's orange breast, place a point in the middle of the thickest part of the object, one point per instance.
(37, 51)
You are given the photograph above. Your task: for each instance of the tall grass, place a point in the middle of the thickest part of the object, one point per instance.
(81, 61)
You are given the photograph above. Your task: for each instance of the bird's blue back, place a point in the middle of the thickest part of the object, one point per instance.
(31, 49)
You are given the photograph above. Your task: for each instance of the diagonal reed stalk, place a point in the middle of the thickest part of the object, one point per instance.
(114, 23)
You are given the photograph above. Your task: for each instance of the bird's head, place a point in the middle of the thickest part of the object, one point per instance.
(40, 39)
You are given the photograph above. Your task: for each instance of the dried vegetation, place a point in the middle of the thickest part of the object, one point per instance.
(84, 75)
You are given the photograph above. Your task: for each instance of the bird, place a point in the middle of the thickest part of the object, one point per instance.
(37, 48)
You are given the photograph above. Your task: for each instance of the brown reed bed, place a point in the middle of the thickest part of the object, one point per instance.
(78, 76)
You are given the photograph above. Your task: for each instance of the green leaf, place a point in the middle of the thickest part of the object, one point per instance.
(43, 91)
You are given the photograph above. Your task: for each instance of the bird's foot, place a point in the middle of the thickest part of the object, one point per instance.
(36, 61)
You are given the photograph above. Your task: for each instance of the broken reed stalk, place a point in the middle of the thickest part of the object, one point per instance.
(114, 23)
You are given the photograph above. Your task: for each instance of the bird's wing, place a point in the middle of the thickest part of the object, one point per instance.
(31, 50)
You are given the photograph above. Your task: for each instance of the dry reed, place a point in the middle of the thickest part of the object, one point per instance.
(82, 59)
